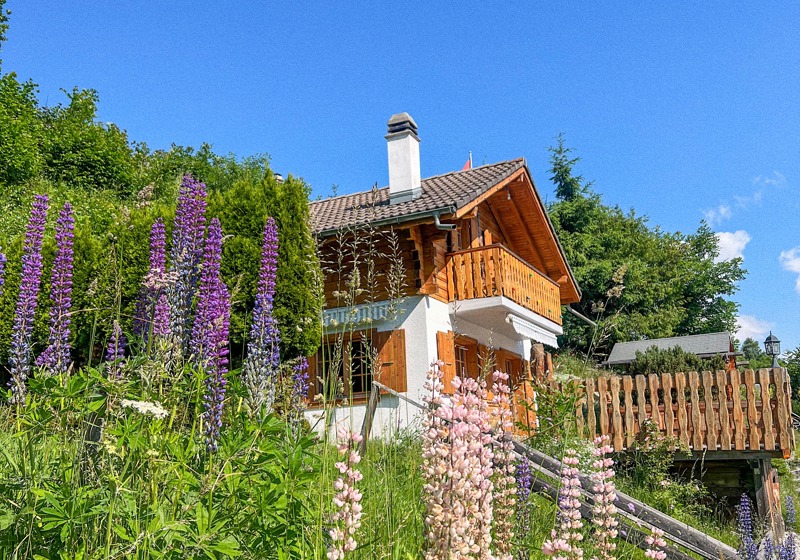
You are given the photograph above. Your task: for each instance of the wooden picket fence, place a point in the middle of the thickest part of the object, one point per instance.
(706, 411)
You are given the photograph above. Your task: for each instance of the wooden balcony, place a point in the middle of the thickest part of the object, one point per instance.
(492, 271)
(726, 412)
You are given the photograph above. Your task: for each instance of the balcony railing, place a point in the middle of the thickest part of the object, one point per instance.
(492, 271)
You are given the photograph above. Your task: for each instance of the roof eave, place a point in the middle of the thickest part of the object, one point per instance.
(404, 218)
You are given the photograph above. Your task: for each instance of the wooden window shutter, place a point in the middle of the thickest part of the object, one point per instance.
(445, 345)
(312, 376)
(473, 370)
(391, 346)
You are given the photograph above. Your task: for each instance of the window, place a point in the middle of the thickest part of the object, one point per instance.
(348, 360)
(461, 361)
(360, 372)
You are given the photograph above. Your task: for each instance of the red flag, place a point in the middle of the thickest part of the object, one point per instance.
(468, 165)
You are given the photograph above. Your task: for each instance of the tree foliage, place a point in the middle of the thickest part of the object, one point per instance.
(118, 188)
(669, 284)
(751, 349)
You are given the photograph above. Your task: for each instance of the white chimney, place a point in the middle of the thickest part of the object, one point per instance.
(403, 145)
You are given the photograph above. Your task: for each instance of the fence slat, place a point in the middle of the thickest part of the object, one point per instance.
(752, 411)
(627, 385)
(738, 417)
(724, 420)
(617, 416)
(603, 398)
(654, 414)
(669, 418)
(683, 417)
(591, 420)
(711, 418)
(641, 387)
(697, 421)
(784, 423)
(766, 409)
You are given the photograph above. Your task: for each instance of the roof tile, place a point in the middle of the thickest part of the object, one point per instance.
(451, 190)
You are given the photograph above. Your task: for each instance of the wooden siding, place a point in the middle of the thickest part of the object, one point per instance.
(494, 271)
(338, 266)
(706, 411)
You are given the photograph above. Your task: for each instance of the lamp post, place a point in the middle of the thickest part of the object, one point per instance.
(772, 346)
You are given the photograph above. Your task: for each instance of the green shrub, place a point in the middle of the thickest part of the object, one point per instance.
(671, 360)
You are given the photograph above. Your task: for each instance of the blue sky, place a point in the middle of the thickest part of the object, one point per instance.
(681, 112)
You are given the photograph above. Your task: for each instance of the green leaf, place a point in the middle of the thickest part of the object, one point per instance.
(6, 519)
(122, 533)
(201, 517)
(228, 546)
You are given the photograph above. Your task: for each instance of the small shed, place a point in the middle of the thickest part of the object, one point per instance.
(703, 345)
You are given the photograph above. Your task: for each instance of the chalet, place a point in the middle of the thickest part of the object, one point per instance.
(463, 267)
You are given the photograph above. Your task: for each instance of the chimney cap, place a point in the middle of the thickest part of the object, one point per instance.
(401, 122)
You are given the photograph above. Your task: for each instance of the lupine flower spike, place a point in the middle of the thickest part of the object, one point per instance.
(161, 317)
(56, 357)
(655, 545)
(748, 549)
(299, 394)
(210, 334)
(504, 483)
(604, 511)
(347, 517)
(115, 351)
(263, 349)
(564, 542)
(30, 280)
(185, 255)
(524, 484)
(789, 546)
(2, 272)
(457, 469)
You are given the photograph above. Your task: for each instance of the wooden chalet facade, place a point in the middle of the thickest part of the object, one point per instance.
(464, 268)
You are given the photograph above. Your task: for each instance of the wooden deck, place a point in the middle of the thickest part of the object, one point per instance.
(493, 270)
(705, 412)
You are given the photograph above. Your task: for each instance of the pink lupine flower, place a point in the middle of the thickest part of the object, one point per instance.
(505, 482)
(655, 545)
(604, 493)
(564, 542)
(347, 518)
(457, 470)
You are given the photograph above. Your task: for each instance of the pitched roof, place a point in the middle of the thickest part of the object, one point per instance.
(445, 193)
(703, 345)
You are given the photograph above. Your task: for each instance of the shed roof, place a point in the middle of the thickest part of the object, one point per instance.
(445, 193)
(704, 345)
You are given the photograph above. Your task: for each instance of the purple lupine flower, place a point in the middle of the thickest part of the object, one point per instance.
(2, 272)
(185, 254)
(748, 550)
(115, 351)
(263, 349)
(209, 342)
(56, 357)
(158, 240)
(30, 280)
(791, 513)
(788, 548)
(161, 317)
(768, 546)
(155, 283)
(524, 484)
(299, 394)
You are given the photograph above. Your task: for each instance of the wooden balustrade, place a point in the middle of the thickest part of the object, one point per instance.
(708, 411)
(493, 270)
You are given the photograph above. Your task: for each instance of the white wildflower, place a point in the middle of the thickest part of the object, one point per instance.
(146, 408)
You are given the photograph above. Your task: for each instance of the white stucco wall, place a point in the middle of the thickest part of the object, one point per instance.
(421, 317)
